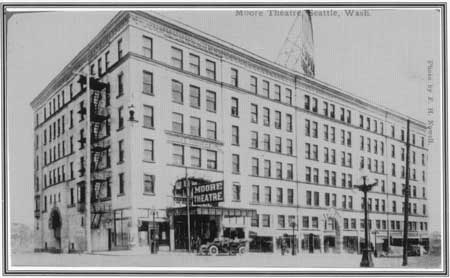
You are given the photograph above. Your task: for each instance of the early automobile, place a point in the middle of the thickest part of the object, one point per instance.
(225, 246)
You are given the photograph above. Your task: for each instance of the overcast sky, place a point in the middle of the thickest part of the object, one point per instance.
(381, 57)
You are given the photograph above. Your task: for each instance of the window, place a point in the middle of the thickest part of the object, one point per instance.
(255, 166)
(255, 220)
(281, 221)
(254, 139)
(234, 77)
(277, 93)
(120, 84)
(178, 154)
(194, 94)
(307, 102)
(267, 194)
(289, 123)
(314, 129)
(106, 68)
(147, 47)
(290, 171)
(119, 49)
(266, 220)
(266, 88)
(278, 170)
(234, 107)
(314, 104)
(92, 73)
(266, 142)
(288, 96)
(332, 109)
(211, 101)
(235, 163)
(211, 69)
(289, 147)
(253, 84)
(148, 117)
(149, 184)
(255, 193)
(267, 168)
(314, 222)
(266, 116)
(235, 135)
(149, 154)
(307, 127)
(121, 151)
(290, 196)
(121, 184)
(194, 64)
(279, 195)
(254, 113)
(349, 117)
(277, 144)
(236, 192)
(211, 162)
(277, 120)
(308, 174)
(333, 134)
(147, 83)
(196, 158)
(195, 126)
(99, 66)
(177, 91)
(177, 122)
(305, 222)
(211, 128)
(177, 58)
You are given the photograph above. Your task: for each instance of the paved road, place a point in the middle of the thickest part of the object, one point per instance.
(163, 259)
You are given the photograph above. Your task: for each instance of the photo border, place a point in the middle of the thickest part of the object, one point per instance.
(363, 272)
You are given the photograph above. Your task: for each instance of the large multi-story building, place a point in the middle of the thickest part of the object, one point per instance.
(169, 104)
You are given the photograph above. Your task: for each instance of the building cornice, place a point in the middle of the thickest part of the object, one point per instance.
(91, 50)
(196, 39)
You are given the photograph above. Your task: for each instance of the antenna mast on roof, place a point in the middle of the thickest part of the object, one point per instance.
(297, 52)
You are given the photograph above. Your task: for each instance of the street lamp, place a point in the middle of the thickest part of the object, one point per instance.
(366, 260)
(293, 225)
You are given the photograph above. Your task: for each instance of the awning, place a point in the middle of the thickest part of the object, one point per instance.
(215, 211)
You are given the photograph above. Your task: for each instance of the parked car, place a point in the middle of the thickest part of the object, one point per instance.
(224, 246)
(414, 250)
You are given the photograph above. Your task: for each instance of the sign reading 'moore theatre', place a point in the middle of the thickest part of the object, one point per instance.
(208, 193)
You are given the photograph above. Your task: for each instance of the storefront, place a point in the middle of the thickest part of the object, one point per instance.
(206, 224)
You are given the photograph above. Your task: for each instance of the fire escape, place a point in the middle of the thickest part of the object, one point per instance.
(100, 152)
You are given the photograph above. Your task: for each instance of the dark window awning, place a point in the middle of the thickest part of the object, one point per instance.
(216, 211)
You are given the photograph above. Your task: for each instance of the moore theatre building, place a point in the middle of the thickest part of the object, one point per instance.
(172, 108)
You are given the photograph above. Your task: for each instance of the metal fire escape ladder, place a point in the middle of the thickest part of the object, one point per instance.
(100, 144)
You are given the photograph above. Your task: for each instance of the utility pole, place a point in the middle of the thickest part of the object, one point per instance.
(406, 206)
(88, 161)
(188, 203)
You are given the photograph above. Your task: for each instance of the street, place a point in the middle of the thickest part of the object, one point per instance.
(166, 259)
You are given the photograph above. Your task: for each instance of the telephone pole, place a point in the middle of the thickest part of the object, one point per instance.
(188, 203)
(406, 206)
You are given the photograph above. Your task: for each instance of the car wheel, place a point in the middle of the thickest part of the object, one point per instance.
(203, 250)
(241, 250)
(213, 250)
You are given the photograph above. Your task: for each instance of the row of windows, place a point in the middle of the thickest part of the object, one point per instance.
(194, 96)
(412, 174)
(312, 104)
(403, 155)
(194, 63)
(369, 145)
(178, 157)
(313, 199)
(195, 126)
(329, 178)
(268, 169)
(266, 117)
(279, 198)
(266, 144)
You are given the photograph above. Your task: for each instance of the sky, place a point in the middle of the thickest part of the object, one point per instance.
(382, 57)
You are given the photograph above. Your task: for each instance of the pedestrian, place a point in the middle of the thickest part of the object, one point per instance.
(198, 242)
(283, 246)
